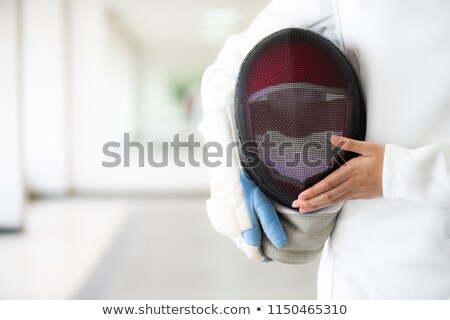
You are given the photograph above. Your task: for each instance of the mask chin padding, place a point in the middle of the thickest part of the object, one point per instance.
(306, 235)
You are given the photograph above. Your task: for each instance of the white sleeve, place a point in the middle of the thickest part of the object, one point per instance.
(226, 207)
(420, 175)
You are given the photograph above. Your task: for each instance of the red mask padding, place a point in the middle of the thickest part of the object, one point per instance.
(296, 89)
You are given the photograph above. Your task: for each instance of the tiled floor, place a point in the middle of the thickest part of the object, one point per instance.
(62, 242)
(136, 249)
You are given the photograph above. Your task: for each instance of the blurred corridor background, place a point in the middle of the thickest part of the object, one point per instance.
(74, 75)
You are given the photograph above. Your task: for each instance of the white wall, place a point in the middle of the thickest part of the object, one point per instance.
(45, 96)
(11, 184)
(104, 91)
(159, 115)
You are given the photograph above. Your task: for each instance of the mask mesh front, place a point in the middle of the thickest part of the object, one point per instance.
(295, 89)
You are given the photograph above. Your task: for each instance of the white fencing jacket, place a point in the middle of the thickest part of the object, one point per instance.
(396, 246)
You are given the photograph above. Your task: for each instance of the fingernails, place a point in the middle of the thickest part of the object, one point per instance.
(296, 204)
(337, 140)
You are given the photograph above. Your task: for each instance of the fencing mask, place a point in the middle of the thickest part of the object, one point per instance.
(296, 89)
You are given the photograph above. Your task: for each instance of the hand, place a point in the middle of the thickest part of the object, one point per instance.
(359, 178)
(262, 215)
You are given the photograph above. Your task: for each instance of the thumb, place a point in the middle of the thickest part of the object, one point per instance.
(347, 144)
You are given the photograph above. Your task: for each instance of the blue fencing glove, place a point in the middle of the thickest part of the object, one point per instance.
(263, 216)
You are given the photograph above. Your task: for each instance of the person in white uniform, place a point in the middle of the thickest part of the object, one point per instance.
(392, 237)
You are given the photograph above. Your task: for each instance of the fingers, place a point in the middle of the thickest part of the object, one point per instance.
(259, 204)
(344, 197)
(270, 222)
(327, 198)
(330, 182)
(361, 147)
